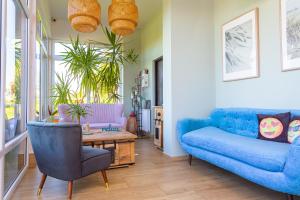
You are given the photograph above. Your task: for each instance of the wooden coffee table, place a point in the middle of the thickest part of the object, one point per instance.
(121, 144)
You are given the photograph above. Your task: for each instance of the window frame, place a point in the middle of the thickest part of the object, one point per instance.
(43, 75)
(10, 145)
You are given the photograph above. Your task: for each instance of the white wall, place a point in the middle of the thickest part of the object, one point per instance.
(147, 42)
(131, 70)
(151, 49)
(62, 30)
(274, 89)
(188, 65)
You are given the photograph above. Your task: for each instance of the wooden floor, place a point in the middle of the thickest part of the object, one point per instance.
(154, 177)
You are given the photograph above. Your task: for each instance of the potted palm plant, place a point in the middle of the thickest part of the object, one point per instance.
(76, 111)
(97, 66)
(61, 91)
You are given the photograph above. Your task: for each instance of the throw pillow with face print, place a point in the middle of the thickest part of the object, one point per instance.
(273, 127)
(294, 129)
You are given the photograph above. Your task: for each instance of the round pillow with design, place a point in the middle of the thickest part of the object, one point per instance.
(274, 127)
(294, 129)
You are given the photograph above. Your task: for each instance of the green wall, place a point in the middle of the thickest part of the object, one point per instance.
(151, 49)
(274, 88)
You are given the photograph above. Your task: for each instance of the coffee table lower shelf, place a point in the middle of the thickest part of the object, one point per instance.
(123, 150)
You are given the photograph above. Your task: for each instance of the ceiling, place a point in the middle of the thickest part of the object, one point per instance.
(147, 8)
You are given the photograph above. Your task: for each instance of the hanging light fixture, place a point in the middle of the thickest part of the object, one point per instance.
(123, 16)
(84, 15)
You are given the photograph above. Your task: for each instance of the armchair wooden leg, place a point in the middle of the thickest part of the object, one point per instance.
(44, 176)
(290, 197)
(190, 159)
(105, 178)
(70, 189)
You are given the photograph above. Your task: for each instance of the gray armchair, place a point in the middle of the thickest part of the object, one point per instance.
(59, 153)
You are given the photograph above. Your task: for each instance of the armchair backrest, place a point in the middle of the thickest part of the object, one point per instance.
(57, 149)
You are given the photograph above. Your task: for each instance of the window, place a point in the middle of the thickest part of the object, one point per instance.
(61, 70)
(42, 71)
(15, 161)
(14, 93)
(16, 71)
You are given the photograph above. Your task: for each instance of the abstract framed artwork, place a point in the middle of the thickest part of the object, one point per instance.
(290, 34)
(240, 40)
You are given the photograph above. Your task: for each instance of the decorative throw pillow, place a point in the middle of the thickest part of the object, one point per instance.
(274, 127)
(294, 129)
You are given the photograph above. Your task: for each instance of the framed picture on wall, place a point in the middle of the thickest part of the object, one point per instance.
(290, 26)
(240, 40)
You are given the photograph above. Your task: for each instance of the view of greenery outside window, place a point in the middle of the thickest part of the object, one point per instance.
(15, 98)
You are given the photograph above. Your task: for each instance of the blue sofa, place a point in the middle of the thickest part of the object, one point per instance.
(227, 139)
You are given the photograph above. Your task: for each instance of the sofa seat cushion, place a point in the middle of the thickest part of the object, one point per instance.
(266, 155)
(106, 125)
(94, 160)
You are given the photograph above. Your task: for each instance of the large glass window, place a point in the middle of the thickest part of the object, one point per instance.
(61, 73)
(15, 161)
(16, 70)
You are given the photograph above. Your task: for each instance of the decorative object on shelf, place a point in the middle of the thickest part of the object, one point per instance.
(132, 125)
(290, 17)
(123, 16)
(145, 78)
(241, 47)
(158, 120)
(147, 104)
(84, 15)
(137, 103)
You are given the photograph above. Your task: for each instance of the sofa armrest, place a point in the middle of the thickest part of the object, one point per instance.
(187, 125)
(292, 165)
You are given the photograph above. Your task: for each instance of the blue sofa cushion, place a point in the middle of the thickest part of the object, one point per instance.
(262, 154)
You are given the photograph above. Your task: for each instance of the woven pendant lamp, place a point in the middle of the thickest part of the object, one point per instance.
(84, 15)
(123, 16)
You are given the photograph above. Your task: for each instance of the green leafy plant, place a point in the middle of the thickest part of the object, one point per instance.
(97, 66)
(61, 91)
(112, 59)
(76, 111)
(52, 114)
(82, 61)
